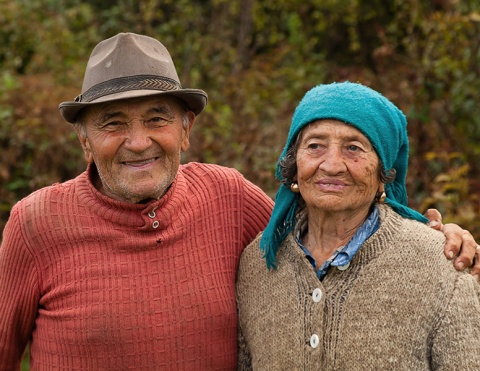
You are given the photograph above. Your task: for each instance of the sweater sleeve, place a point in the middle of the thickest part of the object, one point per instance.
(18, 294)
(244, 358)
(456, 345)
(257, 210)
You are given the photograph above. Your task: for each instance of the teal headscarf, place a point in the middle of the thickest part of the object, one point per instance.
(368, 111)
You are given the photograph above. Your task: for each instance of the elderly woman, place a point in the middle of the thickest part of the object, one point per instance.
(346, 276)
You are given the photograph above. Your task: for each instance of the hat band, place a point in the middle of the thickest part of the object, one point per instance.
(122, 84)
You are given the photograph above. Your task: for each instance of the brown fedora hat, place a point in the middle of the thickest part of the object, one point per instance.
(129, 66)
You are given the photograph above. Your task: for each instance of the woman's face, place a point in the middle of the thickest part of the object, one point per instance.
(337, 167)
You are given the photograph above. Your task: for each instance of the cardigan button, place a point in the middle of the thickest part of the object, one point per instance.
(314, 341)
(343, 267)
(317, 295)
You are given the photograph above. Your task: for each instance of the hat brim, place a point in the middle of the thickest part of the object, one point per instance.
(195, 99)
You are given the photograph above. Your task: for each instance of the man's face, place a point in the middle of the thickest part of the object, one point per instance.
(136, 145)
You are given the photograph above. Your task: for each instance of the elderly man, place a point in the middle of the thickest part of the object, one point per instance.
(132, 264)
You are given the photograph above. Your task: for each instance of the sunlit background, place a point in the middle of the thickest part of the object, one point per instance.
(255, 59)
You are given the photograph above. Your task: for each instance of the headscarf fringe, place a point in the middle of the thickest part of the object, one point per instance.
(280, 225)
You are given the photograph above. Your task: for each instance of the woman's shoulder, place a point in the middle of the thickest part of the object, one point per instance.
(408, 228)
(414, 244)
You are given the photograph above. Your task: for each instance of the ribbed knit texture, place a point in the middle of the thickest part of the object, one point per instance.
(400, 305)
(102, 289)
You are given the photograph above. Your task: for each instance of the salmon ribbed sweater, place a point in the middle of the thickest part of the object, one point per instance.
(98, 284)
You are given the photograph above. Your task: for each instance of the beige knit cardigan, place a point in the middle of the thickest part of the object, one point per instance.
(400, 305)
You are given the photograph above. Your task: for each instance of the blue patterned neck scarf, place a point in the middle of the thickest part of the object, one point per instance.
(344, 255)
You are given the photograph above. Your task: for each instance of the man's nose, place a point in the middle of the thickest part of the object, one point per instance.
(138, 137)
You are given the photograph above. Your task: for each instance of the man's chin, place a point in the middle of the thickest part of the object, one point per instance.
(134, 195)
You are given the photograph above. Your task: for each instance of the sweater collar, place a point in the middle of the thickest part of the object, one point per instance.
(140, 216)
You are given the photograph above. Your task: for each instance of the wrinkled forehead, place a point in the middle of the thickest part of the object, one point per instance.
(324, 127)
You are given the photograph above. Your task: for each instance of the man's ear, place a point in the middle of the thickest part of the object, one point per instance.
(87, 151)
(186, 132)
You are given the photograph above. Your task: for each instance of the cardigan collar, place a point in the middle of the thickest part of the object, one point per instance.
(390, 227)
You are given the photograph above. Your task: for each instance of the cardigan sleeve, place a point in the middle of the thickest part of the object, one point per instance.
(19, 294)
(244, 358)
(456, 344)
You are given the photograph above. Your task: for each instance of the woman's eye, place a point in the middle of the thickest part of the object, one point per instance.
(353, 148)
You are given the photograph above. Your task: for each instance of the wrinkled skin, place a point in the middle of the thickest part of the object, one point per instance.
(135, 145)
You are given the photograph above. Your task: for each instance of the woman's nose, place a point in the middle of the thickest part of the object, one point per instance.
(332, 160)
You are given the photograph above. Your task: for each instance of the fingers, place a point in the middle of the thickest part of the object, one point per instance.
(435, 219)
(468, 250)
(461, 242)
(475, 272)
(453, 246)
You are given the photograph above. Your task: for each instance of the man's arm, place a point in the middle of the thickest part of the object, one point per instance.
(18, 295)
(257, 208)
(460, 244)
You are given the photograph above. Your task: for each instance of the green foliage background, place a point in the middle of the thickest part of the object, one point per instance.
(255, 59)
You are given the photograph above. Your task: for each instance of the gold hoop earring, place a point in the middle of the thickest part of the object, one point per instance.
(294, 187)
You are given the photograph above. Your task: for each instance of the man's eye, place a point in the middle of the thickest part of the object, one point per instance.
(111, 125)
(158, 121)
(353, 148)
